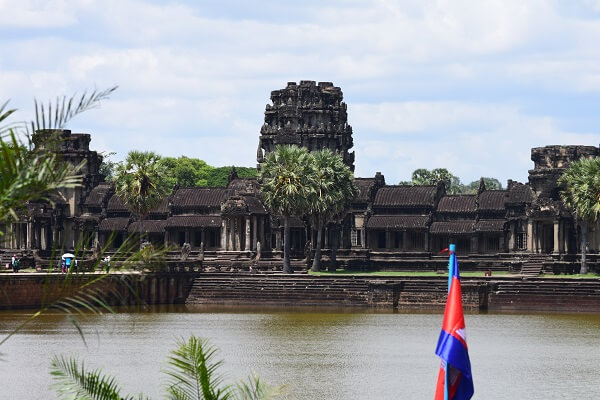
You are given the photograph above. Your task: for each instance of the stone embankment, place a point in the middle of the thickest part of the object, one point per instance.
(581, 295)
(32, 290)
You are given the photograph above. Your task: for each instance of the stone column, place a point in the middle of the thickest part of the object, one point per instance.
(363, 238)
(44, 235)
(404, 240)
(247, 246)
(501, 243)
(511, 236)
(278, 239)
(29, 235)
(254, 232)
(388, 236)
(326, 233)
(223, 243)
(530, 236)
(474, 244)
(555, 249)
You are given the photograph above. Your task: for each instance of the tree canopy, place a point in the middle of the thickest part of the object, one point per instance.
(581, 193)
(452, 183)
(287, 184)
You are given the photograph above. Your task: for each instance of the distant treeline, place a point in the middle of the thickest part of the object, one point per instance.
(188, 172)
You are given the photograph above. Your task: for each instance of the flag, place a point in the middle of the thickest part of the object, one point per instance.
(454, 379)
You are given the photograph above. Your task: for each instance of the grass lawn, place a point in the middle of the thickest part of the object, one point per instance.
(471, 274)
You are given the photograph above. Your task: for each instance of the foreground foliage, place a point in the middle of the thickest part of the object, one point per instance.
(192, 375)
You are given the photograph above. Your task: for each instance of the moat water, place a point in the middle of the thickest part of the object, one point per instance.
(317, 353)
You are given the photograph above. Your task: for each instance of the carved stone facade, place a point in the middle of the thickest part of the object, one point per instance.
(384, 225)
(310, 115)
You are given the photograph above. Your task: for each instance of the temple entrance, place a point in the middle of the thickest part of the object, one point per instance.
(547, 237)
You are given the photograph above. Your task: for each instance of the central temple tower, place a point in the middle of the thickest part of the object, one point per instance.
(309, 115)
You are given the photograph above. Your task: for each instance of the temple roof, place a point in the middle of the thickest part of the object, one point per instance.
(162, 208)
(116, 204)
(193, 221)
(490, 225)
(452, 227)
(148, 226)
(193, 198)
(464, 203)
(113, 224)
(493, 200)
(98, 195)
(398, 221)
(406, 196)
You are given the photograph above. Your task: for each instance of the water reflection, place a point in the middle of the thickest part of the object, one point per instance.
(319, 353)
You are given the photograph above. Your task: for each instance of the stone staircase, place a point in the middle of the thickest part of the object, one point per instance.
(544, 294)
(534, 265)
(271, 289)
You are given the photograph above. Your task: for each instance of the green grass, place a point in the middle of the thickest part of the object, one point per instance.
(470, 274)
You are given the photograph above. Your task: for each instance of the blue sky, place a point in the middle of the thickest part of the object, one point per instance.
(466, 85)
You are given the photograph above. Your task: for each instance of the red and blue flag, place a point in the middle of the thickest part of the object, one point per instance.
(454, 380)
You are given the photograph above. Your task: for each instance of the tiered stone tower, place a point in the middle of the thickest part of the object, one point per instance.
(309, 115)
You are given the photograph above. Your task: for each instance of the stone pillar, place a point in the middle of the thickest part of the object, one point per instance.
(363, 238)
(29, 236)
(326, 233)
(426, 241)
(43, 237)
(247, 246)
(501, 243)
(474, 244)
(223, 243)
(388, 236)
(166, 241)
(511, 236)
(202, 239)
(404, 240)
(530, 236)
(254, 232)
(555, 249)
(278, 239)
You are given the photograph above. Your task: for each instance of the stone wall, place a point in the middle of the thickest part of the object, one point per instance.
(36, 290)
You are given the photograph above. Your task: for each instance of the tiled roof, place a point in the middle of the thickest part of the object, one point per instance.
(162, 208)
(520, 193)
(398, 221)
(194, 221)
(244, 185)
(490, 225)
(150, 226)
(116, 204)
(98, 195)
(364, 186)
(492, 200)
(193, 198)
(405, 196)
(452, 227)
(464, 203)
(113, 224)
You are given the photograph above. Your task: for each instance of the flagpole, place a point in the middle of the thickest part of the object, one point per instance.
(452, 249)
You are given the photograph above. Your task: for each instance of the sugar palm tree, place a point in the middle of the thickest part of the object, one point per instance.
(581, 183)
(286, 177)
(193, 375)
(141, 182)
(334, 187)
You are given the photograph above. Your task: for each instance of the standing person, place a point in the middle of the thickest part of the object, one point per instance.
(15, 263)
(63, 266)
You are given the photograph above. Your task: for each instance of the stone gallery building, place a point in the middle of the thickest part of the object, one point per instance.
(385, 226)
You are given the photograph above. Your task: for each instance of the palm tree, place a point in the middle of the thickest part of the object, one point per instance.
(334, 187)
(581, 183)
(141, 182)
(193, 375)
(286, 177)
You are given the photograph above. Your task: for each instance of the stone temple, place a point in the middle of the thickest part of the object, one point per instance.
(386, 226)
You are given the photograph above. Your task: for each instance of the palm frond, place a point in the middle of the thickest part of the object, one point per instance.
(253, 388)
(73, 381)
(193, 372)
(65, 109)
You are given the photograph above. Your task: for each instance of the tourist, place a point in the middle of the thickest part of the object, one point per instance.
(106, 262)
(63, 266)
(15, 263)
